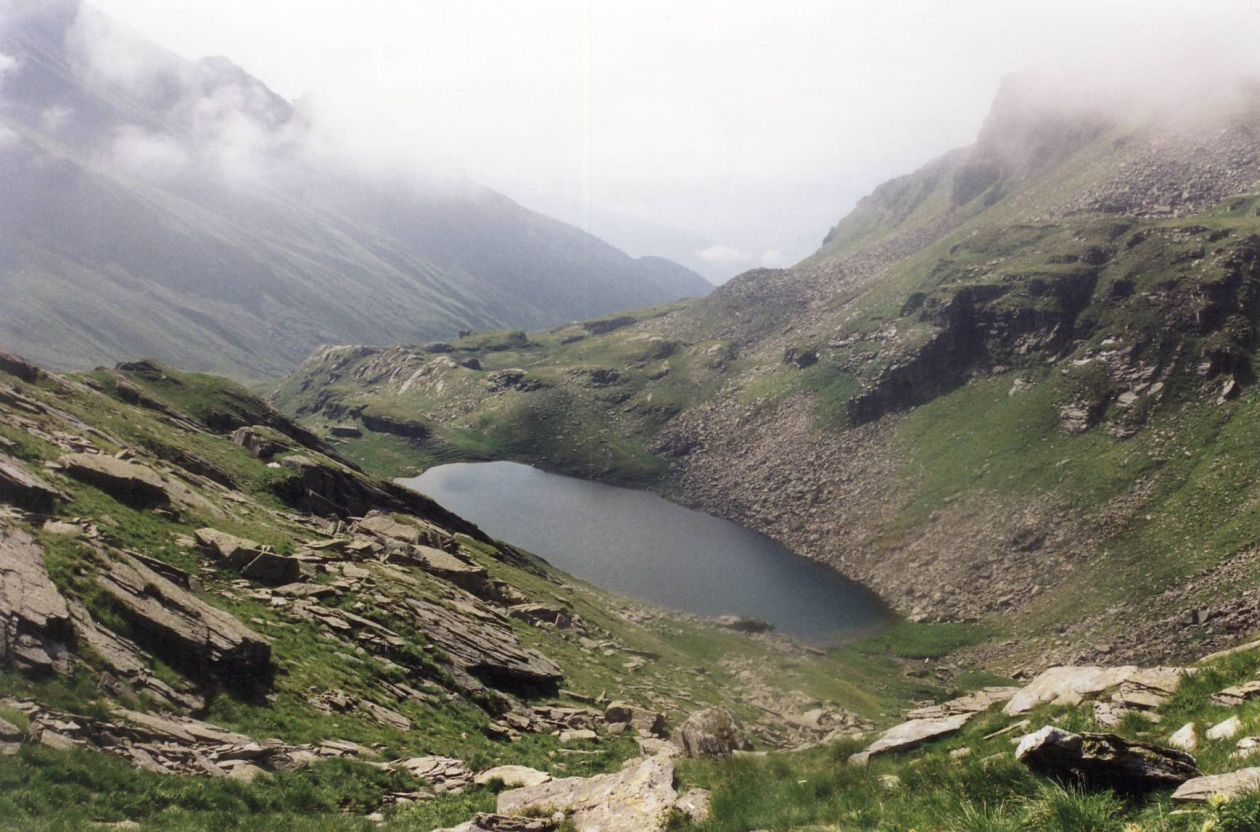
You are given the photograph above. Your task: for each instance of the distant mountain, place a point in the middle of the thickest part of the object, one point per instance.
(182, 210)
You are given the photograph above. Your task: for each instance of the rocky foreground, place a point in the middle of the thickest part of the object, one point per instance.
(225, 597)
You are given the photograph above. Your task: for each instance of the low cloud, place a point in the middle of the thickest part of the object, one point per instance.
(53, 119)
(772, 258)
(722, 254)
(147, 155)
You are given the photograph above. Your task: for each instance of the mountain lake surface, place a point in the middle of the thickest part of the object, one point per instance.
(637, 544)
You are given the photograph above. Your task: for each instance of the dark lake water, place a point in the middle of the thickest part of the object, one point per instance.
(638, 544)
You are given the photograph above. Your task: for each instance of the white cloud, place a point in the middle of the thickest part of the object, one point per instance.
(8, 137)
(722, 254)
(694, 112)
(8, 63)
(147, 155)
(54, 118)
(772, 258)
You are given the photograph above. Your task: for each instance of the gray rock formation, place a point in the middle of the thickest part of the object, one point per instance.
(248, 558)
(1066, 685)
(183, 630)
(127, 482)
(512, 777)
(1104, 761)
(910, 735)
(639, 798)
(1230, 785)
(170, 745)
(643, 721)
(486, 648)
(712, 732)
(34, 620)
(18, 485)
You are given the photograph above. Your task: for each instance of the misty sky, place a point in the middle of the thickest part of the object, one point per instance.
(724, 134)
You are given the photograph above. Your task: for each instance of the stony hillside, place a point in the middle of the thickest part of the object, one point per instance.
(183, 211)
(194, 587)
(213, 621)
(1013, 390)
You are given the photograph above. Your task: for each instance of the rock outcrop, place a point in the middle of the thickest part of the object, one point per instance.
(127, 482)
(248, 558)
(18, 485)
(486, 648)
(35, 623)
(171, 745)
(1105, 761)
(512, 777)
(186, 632)
(643, 721)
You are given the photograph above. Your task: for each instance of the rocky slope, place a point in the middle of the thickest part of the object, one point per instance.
(183, 211)
(196, 587)
(1012, 388)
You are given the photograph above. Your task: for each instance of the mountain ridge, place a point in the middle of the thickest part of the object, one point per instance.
(183, 211)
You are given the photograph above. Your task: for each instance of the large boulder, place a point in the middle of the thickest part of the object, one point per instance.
(262, 442)
(639, 798)
(442, 774)
(23, 488)
(184, 631)
(128, 670)
(404, 529)
(712, 732)
(1105, 761)
(34, 619)
(127, 482)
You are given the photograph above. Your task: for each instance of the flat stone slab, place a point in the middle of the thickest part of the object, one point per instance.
(910, 735)
(1067, 685)
(639, 798)
(973, 703)
(1234, 696)
(1230, 785)
(444, 774)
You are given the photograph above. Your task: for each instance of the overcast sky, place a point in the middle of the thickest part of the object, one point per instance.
(730, 134)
